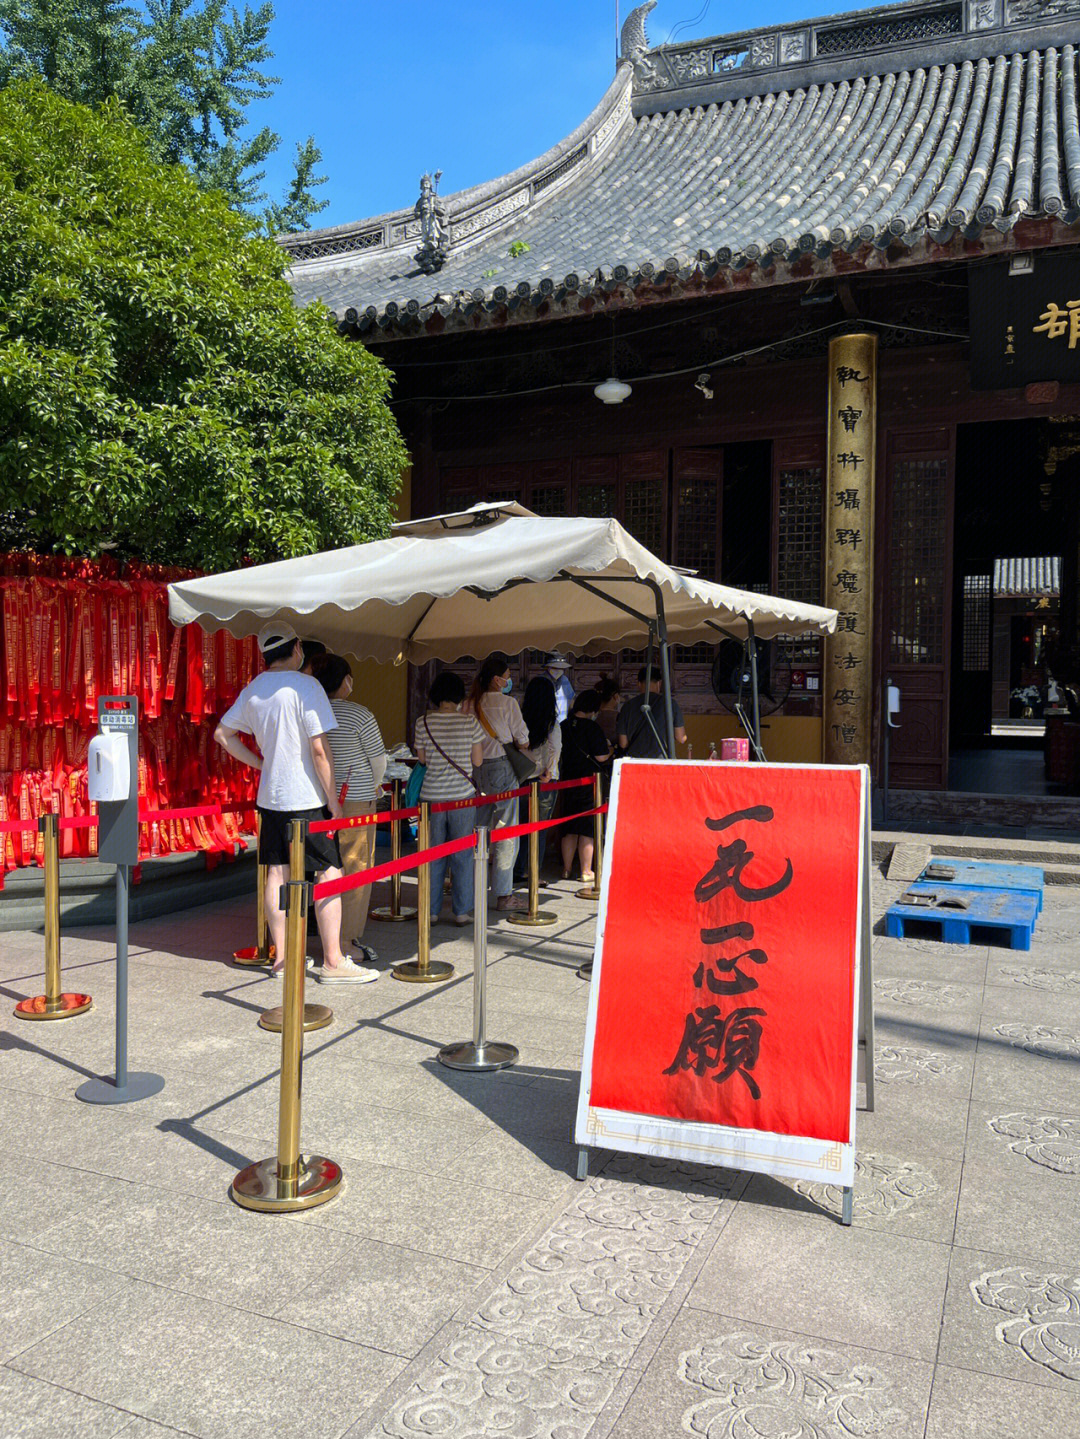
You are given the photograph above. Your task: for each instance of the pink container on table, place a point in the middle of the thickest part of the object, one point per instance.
(735, 749)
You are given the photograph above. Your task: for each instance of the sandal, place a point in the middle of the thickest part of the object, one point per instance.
(589, 878)
(511, 904)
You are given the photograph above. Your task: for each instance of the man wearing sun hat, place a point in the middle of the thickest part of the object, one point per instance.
(558, 667)
(290, 715)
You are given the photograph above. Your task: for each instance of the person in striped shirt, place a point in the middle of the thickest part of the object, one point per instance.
(451, 745)
(359, 765)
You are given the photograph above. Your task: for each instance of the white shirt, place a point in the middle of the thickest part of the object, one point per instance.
(284, 710)
(564, 696)
(503, 716)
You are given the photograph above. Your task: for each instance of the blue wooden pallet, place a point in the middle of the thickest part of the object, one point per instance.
(985, 874)
(988, 909)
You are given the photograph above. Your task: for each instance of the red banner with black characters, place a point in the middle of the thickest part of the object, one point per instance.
(72, 629)
(722, 1017)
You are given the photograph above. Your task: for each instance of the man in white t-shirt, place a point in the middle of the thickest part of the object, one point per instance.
(290, 715)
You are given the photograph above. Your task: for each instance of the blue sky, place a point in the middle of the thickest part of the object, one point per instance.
(391, 88)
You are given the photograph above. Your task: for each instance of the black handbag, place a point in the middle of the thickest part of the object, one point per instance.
(524, 768)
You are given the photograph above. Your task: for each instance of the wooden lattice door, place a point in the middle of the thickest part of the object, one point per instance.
(918, 603)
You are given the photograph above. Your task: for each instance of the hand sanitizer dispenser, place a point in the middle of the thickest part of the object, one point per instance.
(109, 768)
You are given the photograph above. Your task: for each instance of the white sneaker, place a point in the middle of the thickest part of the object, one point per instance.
(347, 972)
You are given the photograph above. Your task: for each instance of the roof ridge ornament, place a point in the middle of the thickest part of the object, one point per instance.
(634, 41)
(434, 225)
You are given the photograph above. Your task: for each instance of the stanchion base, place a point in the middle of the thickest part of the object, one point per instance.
(67, 1006)
(436, 973)
(104, 1091)
(256, 1187)
(590, 893)
(489, 1055)
(250, 958)
(316, 1016)
(585, 972)
(542, 916)
(385, 915)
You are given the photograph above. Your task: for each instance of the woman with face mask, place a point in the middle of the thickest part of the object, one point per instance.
(499, 716)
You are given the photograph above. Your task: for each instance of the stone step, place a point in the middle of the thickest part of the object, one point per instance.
(88, 890)
(1059, 858)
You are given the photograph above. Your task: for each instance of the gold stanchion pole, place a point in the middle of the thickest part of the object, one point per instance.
(53, 1004)
(395, 914)
(316, 1016)
(262, 951)
(536, 915)
(422, 969)
(593, 891)
(290, 1181)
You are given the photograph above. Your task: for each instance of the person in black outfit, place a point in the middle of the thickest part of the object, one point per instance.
(585, 752)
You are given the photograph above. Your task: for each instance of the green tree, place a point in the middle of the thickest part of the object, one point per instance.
(160, 393)
(300, 204)
(185, 70)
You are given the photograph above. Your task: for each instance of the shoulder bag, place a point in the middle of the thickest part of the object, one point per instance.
(524, 768)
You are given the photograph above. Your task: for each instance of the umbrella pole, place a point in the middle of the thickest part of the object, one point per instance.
(751, 642)
(665, 670)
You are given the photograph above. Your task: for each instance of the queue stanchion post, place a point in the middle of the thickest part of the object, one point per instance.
(261, 953)
(585, 972)
(290, 1181)
(479, 1053)
(53, 1004)
(316, 1016)
(423, 969)
(593, 891)
(536, 915)
(393, 914)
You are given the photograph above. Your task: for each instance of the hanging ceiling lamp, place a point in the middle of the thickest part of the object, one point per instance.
(613, 390)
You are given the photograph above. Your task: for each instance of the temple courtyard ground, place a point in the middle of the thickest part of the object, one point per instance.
(466, 1284)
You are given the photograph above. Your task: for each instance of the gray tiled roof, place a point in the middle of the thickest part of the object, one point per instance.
(909, 156)
(1040, 576)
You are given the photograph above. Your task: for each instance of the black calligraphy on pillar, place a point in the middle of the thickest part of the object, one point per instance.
(849, 417)
(848, 459)
(848, 500)
(849, 537)
(844, 733)
(848, 581)
(715, 1043)
(847, 622)
(844, 373)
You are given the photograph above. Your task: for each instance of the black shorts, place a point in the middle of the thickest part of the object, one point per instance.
(321, 852)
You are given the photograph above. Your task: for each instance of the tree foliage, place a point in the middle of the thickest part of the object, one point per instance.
(185, 70)
(160, 393)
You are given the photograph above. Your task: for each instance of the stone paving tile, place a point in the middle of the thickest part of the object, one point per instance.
(895, 1194)
(486, 1384)
(391, 1298)
(244, 1376)
(904, 1123)
(32, 1409)
(463, 1221)
(716, 1376)
(545, 1168)
(786, 1269)
(975, 1406)
(1013, 1318)
(1021, 1188)
(41, 1292)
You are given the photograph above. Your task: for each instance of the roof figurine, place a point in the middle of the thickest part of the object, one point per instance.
(434, 227)
(634, 40)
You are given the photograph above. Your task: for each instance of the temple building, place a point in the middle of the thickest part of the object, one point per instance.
(800, 307)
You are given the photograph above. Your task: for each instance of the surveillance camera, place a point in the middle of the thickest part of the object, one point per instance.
(702, 384)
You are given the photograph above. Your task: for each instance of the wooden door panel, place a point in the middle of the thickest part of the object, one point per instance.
(917, 619)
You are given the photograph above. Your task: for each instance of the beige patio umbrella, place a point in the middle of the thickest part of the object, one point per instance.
(495, 576)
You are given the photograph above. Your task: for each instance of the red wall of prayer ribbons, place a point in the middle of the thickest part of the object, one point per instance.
(71, 630)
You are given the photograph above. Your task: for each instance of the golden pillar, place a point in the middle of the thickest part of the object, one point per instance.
(848, 678)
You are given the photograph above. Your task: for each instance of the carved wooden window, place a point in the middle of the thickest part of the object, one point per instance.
(698, 481)
(977, 601)
(799, 522)
(917, 542)
(644, 481)
(799, 509)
